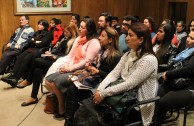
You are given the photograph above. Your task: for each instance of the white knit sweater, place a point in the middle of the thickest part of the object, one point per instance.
(142, 74)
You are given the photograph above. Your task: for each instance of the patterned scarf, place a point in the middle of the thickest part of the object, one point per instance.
(78, 54)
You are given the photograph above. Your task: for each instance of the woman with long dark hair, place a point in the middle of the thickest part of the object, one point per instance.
(164, 48)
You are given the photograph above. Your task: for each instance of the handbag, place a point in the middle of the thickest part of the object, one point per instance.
(51, 104)
(120, 101)
(86, 78)
(179, 83)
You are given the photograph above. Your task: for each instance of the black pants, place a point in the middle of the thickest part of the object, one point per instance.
(7, 58)
(73, 96)
(35, 75)
(24, 62)
(171, 99)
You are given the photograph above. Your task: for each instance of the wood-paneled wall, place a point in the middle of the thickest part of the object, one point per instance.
(158, 9)
(9, 22)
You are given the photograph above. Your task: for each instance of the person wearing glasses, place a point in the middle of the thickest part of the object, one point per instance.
(127, 21)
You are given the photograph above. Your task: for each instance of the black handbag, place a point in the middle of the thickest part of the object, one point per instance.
(179, 83)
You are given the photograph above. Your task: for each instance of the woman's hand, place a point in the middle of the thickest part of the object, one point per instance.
(164, 76)
(47, 52)
(92, 69)
(97, 98)
(64, 69)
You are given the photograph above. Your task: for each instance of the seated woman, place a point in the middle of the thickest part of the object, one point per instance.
(180, 31)
(174, 39)
(56, 29)
(41, 65)
(107, 60)
(149, 22)
(85, 48)
(41, 38)
(171, 98)
(163, 47)
(137, 68)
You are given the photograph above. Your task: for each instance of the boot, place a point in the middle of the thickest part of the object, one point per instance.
(68, 122)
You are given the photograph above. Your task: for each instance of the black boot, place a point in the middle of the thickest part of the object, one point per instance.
(68, 122)
(10, 79)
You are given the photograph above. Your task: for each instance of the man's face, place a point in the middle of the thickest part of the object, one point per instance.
(125, 26)
(101, 22)
(23, 21)
(114, 22)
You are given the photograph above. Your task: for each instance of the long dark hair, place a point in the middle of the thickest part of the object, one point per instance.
(91, 28)
(44, 23)
(166, 42)
(142, 30)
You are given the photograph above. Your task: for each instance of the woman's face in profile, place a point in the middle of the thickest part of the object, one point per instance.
(40, 27)
(132, 40)
(160, 34)
(104, 40)
(82, 29)
(52, 23)
(190, 40)
(67, 33)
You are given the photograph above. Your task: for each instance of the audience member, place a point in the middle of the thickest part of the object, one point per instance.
(56, 29)
(180, 31)
(174, 40)
(115, 24)
(41, 38)
(105, 19)
(171, 98)
(164, 49)
(107, 60)
(149, 22)
(182, 45)
(41, 65)
(127, 21)
(81, 54)
(75, 18)
(17, 43)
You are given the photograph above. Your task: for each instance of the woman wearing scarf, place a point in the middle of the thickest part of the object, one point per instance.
(137, 68)
(85, 48)
(172, 98)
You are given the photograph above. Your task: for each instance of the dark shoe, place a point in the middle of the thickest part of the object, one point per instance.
(29, 103)
(11, 79)
(58, 115)
(21, 86)
(68, 122)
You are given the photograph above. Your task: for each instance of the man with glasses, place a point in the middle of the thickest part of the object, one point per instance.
(127, 21)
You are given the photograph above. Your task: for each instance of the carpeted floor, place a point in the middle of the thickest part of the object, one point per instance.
(12, 114)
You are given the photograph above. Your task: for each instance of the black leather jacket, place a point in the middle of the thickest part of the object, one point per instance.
(167, 58)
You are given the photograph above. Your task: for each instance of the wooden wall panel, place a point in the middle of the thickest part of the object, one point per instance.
(158, 9)
(92, 8)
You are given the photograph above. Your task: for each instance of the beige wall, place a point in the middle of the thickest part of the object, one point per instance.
(158, 9)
